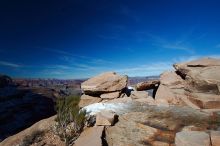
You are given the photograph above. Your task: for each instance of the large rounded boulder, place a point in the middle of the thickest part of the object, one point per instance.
(202, 75)
(104, 83)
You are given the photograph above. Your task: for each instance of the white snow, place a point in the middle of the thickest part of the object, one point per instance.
(92, 109)
(130, 88)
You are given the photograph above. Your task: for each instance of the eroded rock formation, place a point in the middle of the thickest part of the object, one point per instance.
(184, 112)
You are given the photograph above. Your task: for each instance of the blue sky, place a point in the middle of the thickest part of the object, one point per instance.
(81, 38)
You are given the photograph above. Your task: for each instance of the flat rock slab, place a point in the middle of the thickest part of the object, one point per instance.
(105, 118)
(205, 101)
(104, 83)
(166, 95)
(90, 137)
(204, 62)
(87, 100)
(215, 138)
(201, 75)
(185, 67)
(170, 78)
(192, 138)
(129, 133)
(154, 126)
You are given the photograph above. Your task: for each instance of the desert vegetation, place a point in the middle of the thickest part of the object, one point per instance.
(70, 119)
(34, 137)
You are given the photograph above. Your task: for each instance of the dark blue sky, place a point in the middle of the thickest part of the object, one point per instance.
(81, 38)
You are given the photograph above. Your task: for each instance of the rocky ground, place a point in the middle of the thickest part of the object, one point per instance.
(184, 110)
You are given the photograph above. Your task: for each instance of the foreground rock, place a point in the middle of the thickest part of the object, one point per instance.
(138, 94)
(29, 134)
(87, 100)
(194, 84)
(205, 101)
(142, 97)
(215, 138)
(170, 89)
(104, 83)
(192, 138)
(185, 67)
(202, 75)
(129, 132)
(90, 137)
(105, 118)
(154, 125)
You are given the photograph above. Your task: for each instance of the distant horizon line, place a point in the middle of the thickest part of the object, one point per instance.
(36, 78)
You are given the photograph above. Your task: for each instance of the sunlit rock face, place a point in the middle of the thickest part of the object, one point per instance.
(152, 125)
(90, 136)
(202, 75)
(87, 100)
(195, 84)
(104, 83)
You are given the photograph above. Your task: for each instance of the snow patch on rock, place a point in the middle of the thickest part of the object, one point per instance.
(118, 108)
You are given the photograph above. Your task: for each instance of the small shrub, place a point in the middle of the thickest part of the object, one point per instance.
(70, 119)
(32, 138)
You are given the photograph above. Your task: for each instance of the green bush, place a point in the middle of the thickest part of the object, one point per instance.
(70, 119)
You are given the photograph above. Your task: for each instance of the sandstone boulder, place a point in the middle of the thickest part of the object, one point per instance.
(87, 100)
(205, 101)
(104, 83)
(166, 95)
(105, 118)
(185, 67)
(201, 75)
(90, 137)
(147, 85)
(170, 78)
(142, 97)
(171, 89)
(192, 138)
(205, 80)
(195, 84)
(111, 95)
